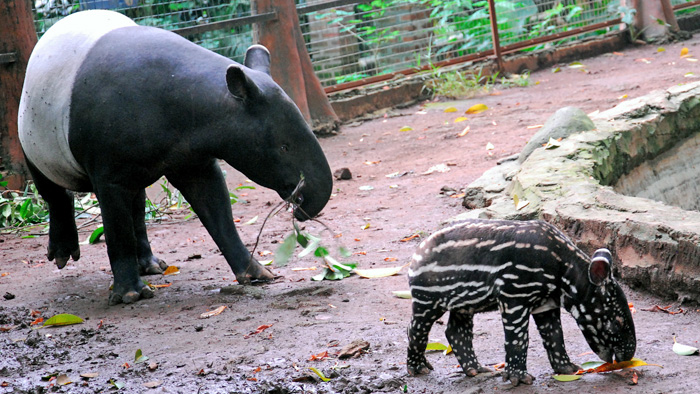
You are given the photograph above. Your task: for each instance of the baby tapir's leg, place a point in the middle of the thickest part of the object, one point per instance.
(424, 315)
(549, 325)
(516, 318)
(460, 333)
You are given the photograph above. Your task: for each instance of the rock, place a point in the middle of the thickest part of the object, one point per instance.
(563, 123)
(353, 349)
(342, 174)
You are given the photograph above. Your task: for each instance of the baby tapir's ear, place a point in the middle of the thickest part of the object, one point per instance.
(600, 267)
(257, 57)
(240, 86)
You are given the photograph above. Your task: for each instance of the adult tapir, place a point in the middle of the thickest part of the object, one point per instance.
(109, 106)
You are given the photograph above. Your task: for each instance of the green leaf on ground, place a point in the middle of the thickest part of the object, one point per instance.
(139, 357)
(320, 374)
(96, 234)
(566, 378)
(63, 319)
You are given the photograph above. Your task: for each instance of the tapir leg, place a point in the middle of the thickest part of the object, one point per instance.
(148, 263)
(63, 234)
(117, 205)
(549, 325)
(205, 189)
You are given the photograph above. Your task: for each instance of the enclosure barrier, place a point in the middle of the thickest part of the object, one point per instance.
(353, 43)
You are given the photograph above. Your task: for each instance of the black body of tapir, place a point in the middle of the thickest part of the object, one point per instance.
(110, 107)
(522, 268)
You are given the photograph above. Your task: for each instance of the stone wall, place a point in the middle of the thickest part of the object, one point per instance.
(656, 245)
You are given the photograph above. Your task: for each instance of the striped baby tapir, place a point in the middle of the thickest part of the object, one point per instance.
(522, 268)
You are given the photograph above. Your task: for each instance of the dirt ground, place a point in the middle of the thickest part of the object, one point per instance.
(225, 354)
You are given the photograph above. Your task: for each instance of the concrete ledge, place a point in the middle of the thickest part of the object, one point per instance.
(656, 246)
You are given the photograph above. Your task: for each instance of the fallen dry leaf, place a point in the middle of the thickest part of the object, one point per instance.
(614, 366)
(665, 309)
(410, 237)
(171, 270)
(353, 349)
(258, 330)
(215, 312)
(461, 119)
(476, 108)
(464, 132)
(450, 109)
(683, 350)
(63, 379)
(437, 168)
(319, 357)
(373, 273)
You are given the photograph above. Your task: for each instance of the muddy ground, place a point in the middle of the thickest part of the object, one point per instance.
(224, 354)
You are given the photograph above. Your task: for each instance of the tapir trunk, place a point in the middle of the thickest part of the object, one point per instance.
(315, 192)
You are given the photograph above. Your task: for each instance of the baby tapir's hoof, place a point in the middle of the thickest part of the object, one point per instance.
(130, 296)
(516, 377)
(568, 369)
(419, 367)
(471, 372)
(152, 266)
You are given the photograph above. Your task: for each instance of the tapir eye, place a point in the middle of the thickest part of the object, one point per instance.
(284, 148)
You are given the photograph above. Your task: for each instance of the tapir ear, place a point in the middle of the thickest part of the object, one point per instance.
(257, 57)
(600, 268)
(240, 86)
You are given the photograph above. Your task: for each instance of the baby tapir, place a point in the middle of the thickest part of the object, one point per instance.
(523, 268)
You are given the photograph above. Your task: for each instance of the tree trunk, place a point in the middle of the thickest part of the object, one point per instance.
(17, 39)
(291, 65)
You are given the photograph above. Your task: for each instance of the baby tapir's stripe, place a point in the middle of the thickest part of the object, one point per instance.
(521, 268)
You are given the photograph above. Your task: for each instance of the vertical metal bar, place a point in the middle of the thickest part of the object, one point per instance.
(494, 35)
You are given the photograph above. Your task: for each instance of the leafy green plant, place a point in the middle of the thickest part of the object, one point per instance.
(19, 209)
(311, 244)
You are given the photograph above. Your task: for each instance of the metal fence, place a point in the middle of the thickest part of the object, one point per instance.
(357, 40)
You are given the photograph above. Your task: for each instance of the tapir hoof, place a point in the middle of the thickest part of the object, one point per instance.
(255, 272)
(471, 372)
(517, 377)
(62, 257)
(419, 367)
(130, 296)
(567, 369)
(152, 266)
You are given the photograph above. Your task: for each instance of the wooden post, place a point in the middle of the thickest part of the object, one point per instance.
(291, 65)
(494, 35)
(17, 39)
